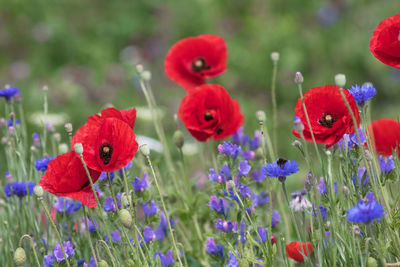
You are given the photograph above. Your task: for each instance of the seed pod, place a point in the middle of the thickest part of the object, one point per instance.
(38, 190)
(126, 218)
(19, 256)
(178, 139)
(103, 263)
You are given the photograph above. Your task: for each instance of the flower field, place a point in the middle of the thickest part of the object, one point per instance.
(219, 179)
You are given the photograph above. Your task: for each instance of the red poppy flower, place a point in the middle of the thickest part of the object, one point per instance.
(328, 114)
(108, 140)
(385, 41)
(386, 136)
(294, 250)
(65, 176)
(191, 60)
(208, 111)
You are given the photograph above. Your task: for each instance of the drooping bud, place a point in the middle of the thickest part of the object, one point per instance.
(372, 262)
(261, 117)
(38, 190)
(145, 150)
(78, 148)
(340, 80)
(275, 57)
(178, 139)
(298, 78)
(126, 218)
(103, 263)
(19, 256)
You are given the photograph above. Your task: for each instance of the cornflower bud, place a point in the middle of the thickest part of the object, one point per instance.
(298, 78)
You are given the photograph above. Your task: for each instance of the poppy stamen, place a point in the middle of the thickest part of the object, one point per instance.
(105, 152)
(208, 116)
(199, 64)
(327, 120)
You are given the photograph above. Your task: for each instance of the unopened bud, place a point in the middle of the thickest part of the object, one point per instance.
(3, 123)
(139, 68)
(57, 137)
(178, 139)
(68, 127)
(261, 117)
(11, 131)
(130, 263)
(125, 200)
(298, 125)
(328, 153)
(340, 80)
(103, 263)
(4, 140)
(19, 256)
(296, 143)
(45, 88)
(372, 262)
(49, 127)
(63, 148)
(346, 190)
(78, 148)
(12, 115)
(298, 78)
(146, 75)
(38, 190)
(230, 185)
(126, 218)
(145, 150)
(275, 57)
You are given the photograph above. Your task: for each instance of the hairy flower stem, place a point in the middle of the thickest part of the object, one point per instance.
(32, 245)
(46, 111)
(101, 242)
(309, 124)
(274, 104)
(266, 143)
(165, 211)
(55, 230)
(88, 234)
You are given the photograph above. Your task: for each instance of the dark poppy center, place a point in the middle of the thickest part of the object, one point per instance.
(199, 64)
(327, 120)
(281, 162)
(208, 116)
(105, 152)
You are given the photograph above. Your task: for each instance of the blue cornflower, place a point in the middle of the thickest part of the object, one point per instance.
(7, 190)
(363, 93)
(20, 188)
(109, 204)
(281, 168)
(262, 232)
(103, 176)
(48, 260)
(220, 205)
(349, 141)
(276, 218)
(115, 236)
(225, 226)
(166, 260)
(229, 149)
(232, 262)
(215, 249)
(141, 185)
(8, 92)
(68, 248)
(150, 209)
(259, 200)
(36, 139)
(362, 177)
(92, 227)
(67, 205)
(387, 164)
(259, 175)
(148, 235)
(11, 123)
(366, 211)
(244, 168)
(322, 211)
(41, 164)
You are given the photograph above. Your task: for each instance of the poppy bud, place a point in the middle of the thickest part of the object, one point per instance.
(45, 88)
(328, 153)
(126, 218)
(346, 190)
(146, 75)
(139, 68)
(57, 137)
(78, 148)
(275, 57)
(298, 78)
(63, 148)
(38, 190)
(340, 80)
(178, 139)
(103, 263)
(130, 263)
(296, 143)
(145, 150)
(68, 127)
(261, 117)
(19, 256)
(371, 262)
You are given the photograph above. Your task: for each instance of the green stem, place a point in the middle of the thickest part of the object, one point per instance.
(274, 104)
(101, 242)
(88, 234)
(32, 245)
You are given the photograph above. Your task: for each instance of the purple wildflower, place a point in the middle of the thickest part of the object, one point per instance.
(215, 249)
(150, 209)
(386, 164)
(244, 168)
(225, 226)
(141, 185)
(229, 149)
(276, 218)
(166, 260)
(220, 205)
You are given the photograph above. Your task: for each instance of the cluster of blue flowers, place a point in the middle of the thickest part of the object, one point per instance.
(19, 189)
(67, 206)
(9, 92)
(56, 256)
(41, 164)
(362, 94)
(350, 141)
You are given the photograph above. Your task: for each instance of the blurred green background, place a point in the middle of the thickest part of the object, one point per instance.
(85, 51)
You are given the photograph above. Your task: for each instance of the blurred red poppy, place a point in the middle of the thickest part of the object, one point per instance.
(108, 140)
(329, 117)
(294, 250)
(191, 60)
(65, 176)
(209, 111)
(386, 136)
(385, 41)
